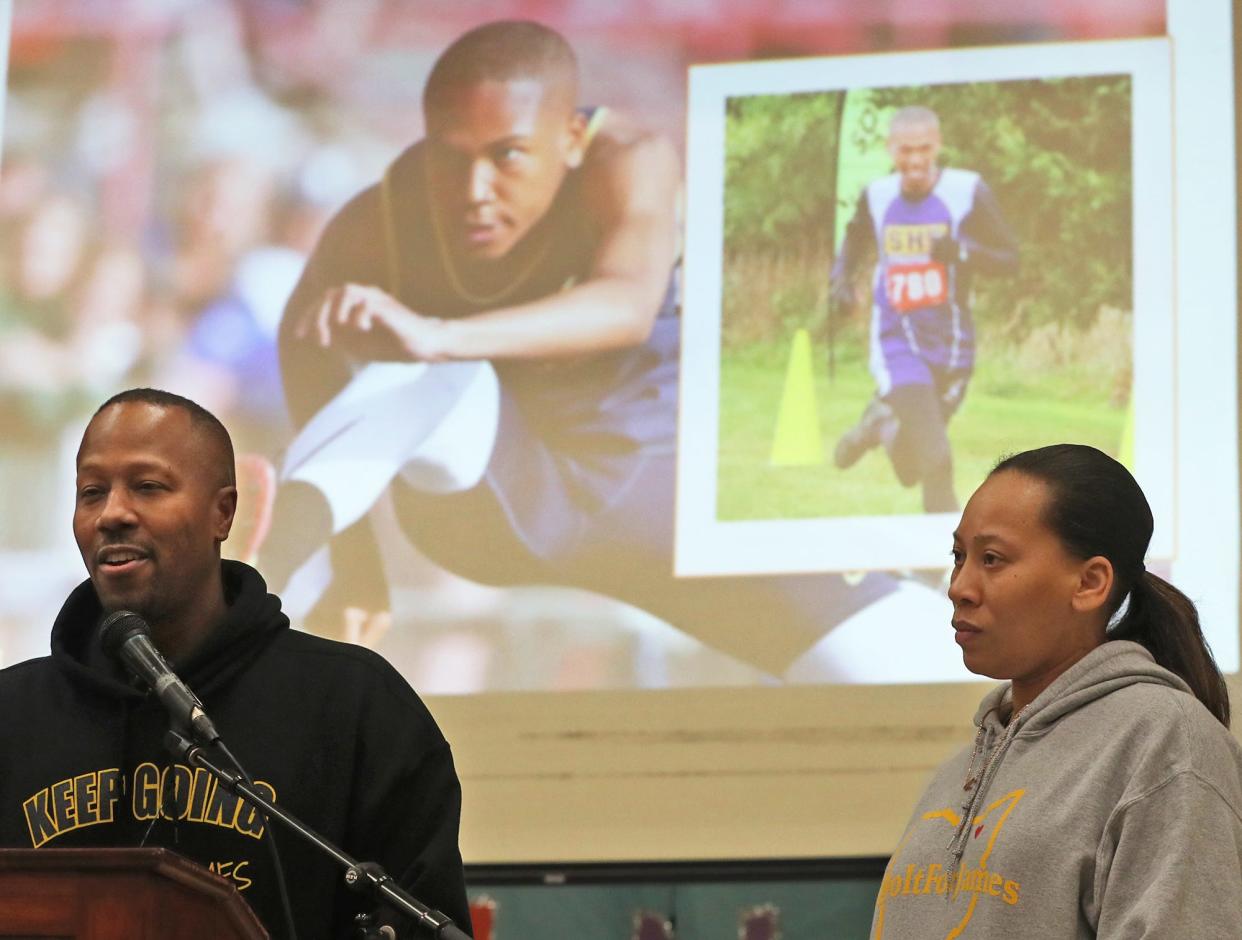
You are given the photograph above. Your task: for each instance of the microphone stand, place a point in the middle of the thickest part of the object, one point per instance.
(366, 878)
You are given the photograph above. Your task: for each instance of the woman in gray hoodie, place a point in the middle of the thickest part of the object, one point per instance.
(1103, 795)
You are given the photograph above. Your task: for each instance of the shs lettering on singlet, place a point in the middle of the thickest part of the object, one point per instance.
(921, 306)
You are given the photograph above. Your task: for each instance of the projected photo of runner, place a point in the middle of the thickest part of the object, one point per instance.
(911, 280)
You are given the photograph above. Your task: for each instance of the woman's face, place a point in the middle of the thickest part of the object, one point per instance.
(1023, 607)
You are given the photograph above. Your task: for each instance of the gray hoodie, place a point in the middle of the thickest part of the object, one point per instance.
(1109, 807)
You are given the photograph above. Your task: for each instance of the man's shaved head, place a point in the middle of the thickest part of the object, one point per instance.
(504, 51)
(219, 446)
(913, 116)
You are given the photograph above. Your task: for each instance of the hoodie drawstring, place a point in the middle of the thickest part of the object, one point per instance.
(977, 788)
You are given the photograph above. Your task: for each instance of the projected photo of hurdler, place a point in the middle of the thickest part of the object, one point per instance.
(491, 334)
(889, 284)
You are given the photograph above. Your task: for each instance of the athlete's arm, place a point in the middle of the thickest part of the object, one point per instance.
(347, 251)
(987, 241)
(857, 249)
(630, 191)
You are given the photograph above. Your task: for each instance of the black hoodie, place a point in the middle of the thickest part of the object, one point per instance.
(330, 728)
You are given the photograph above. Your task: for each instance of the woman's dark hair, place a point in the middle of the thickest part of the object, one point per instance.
(1097, 508)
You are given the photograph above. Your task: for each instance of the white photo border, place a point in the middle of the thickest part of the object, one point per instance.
(707, 546)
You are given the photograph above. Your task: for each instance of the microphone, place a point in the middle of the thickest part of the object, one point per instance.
(127, 637)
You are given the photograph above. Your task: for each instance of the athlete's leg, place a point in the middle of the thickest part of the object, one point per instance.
(434, 424)
(600, 520)
(604, 522)
(920, 452)
(765, 620)
(892, 362)
(875, 428)
(907, 417)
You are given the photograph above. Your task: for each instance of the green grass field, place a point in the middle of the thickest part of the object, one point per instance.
(988, 425)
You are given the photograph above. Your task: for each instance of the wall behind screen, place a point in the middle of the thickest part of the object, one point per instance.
(737, 765)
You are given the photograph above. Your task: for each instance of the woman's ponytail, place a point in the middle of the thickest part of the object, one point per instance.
(1164, 620)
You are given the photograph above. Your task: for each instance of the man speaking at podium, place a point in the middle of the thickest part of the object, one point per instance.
(330, 732)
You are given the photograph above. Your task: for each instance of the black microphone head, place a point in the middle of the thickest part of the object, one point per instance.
(118, 627)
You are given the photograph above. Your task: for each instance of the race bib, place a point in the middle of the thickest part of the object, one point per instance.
(914, 286)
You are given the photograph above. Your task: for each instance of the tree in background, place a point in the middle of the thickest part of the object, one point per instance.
(780, 200)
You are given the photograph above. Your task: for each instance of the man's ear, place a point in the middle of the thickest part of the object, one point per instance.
(225, 508)
(576, 140)
(1095, 584)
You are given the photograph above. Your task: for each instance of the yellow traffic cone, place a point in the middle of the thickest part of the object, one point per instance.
(797, 441)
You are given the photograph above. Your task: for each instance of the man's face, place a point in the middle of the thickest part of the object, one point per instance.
(914, 149)
(151, 511)
(497, 153)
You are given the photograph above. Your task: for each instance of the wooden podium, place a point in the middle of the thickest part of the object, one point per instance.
(118, 894)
